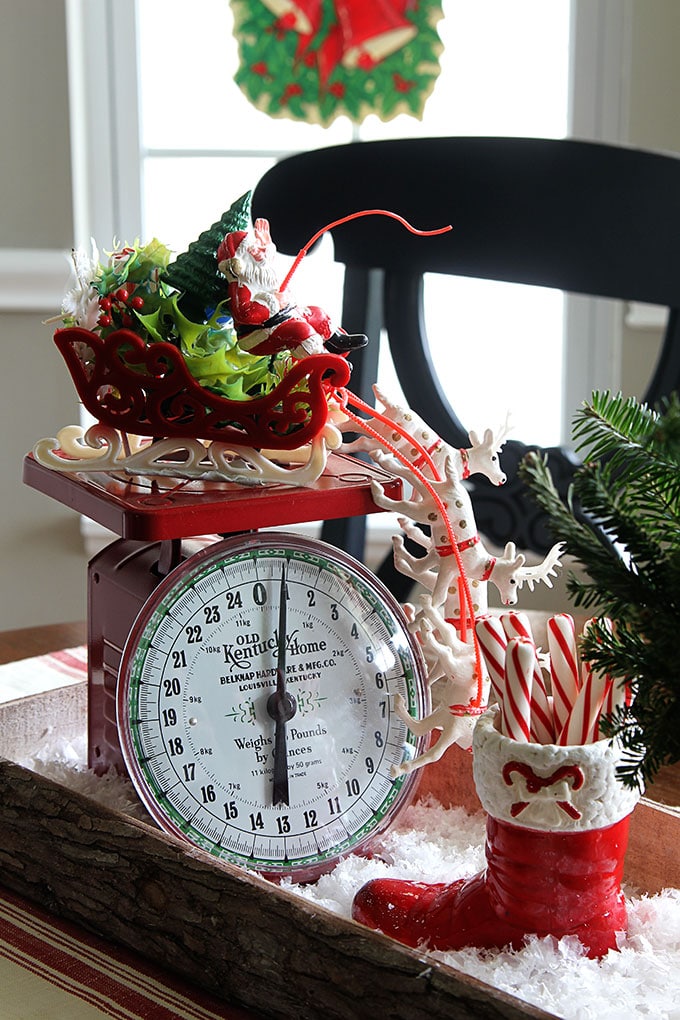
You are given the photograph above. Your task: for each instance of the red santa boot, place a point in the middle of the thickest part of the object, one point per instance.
(556, 837)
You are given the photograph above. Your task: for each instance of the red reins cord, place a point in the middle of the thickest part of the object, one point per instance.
(344, 397)
(355, 216)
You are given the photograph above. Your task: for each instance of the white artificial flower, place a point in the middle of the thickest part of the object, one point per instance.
(82, 303)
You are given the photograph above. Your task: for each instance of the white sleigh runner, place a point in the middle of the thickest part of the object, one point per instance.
(102, 448)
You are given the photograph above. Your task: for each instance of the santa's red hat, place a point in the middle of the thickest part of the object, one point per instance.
(231, 244)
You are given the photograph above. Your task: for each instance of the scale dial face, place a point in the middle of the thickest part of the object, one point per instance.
(256, 704)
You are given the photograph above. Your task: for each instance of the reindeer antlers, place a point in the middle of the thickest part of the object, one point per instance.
(493, 438)
(543, 571)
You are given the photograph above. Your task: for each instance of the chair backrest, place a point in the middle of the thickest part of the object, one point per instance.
(579, 216)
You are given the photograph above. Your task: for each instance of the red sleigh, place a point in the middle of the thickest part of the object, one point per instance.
(146, 390)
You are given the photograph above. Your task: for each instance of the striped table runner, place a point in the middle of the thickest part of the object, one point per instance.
(53, 970)
(41, 673)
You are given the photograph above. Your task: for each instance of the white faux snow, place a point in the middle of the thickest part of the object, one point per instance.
(435, 844)
(65, 762)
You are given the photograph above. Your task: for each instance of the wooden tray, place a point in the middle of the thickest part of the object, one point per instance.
(234, 934)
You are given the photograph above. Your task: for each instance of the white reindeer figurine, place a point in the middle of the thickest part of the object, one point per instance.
(453, 684)
(507, 572)
(456, 500)
(455, 561)
(438, 569)
(482, 457)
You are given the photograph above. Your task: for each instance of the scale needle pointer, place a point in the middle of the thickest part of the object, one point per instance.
(281, 706)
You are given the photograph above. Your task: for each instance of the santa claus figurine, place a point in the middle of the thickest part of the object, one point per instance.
(266, 320)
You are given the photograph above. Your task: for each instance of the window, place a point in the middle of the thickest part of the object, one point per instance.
(176, 142)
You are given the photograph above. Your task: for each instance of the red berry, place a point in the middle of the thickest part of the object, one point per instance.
(104, 320)
(122, 294)
(137, 303)
(105, 303)
(366, 61)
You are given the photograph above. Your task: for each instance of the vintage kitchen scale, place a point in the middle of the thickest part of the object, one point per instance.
(248, 687)
(187, 642)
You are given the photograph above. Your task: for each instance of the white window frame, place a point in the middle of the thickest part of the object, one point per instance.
(107, 151)
(599, 106)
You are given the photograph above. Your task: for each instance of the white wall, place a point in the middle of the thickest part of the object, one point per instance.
(653, 123)
(42, 563)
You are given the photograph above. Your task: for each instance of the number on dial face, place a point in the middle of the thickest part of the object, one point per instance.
(197, 676)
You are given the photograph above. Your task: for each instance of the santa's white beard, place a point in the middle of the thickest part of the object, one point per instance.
(258, 276)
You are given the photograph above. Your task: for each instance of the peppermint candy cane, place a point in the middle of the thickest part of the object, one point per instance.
(542, 726)
(564, 670)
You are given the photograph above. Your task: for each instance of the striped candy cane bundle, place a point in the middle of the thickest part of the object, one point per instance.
(582, 725)
(580, 697)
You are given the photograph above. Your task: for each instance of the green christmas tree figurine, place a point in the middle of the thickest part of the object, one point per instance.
(194, 273)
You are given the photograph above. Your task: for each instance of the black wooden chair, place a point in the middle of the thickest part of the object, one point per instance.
(578, 216)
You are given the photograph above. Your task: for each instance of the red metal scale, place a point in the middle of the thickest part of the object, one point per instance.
(154, 518)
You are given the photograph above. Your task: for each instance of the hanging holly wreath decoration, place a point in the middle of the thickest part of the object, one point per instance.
(315, 60)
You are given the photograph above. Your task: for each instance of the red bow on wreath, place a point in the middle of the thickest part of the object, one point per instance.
(315, 59)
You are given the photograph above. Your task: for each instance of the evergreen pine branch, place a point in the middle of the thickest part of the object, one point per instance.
(634, 442)
(564, 521)
(621, 520)
(616, 510)
(612, 421)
